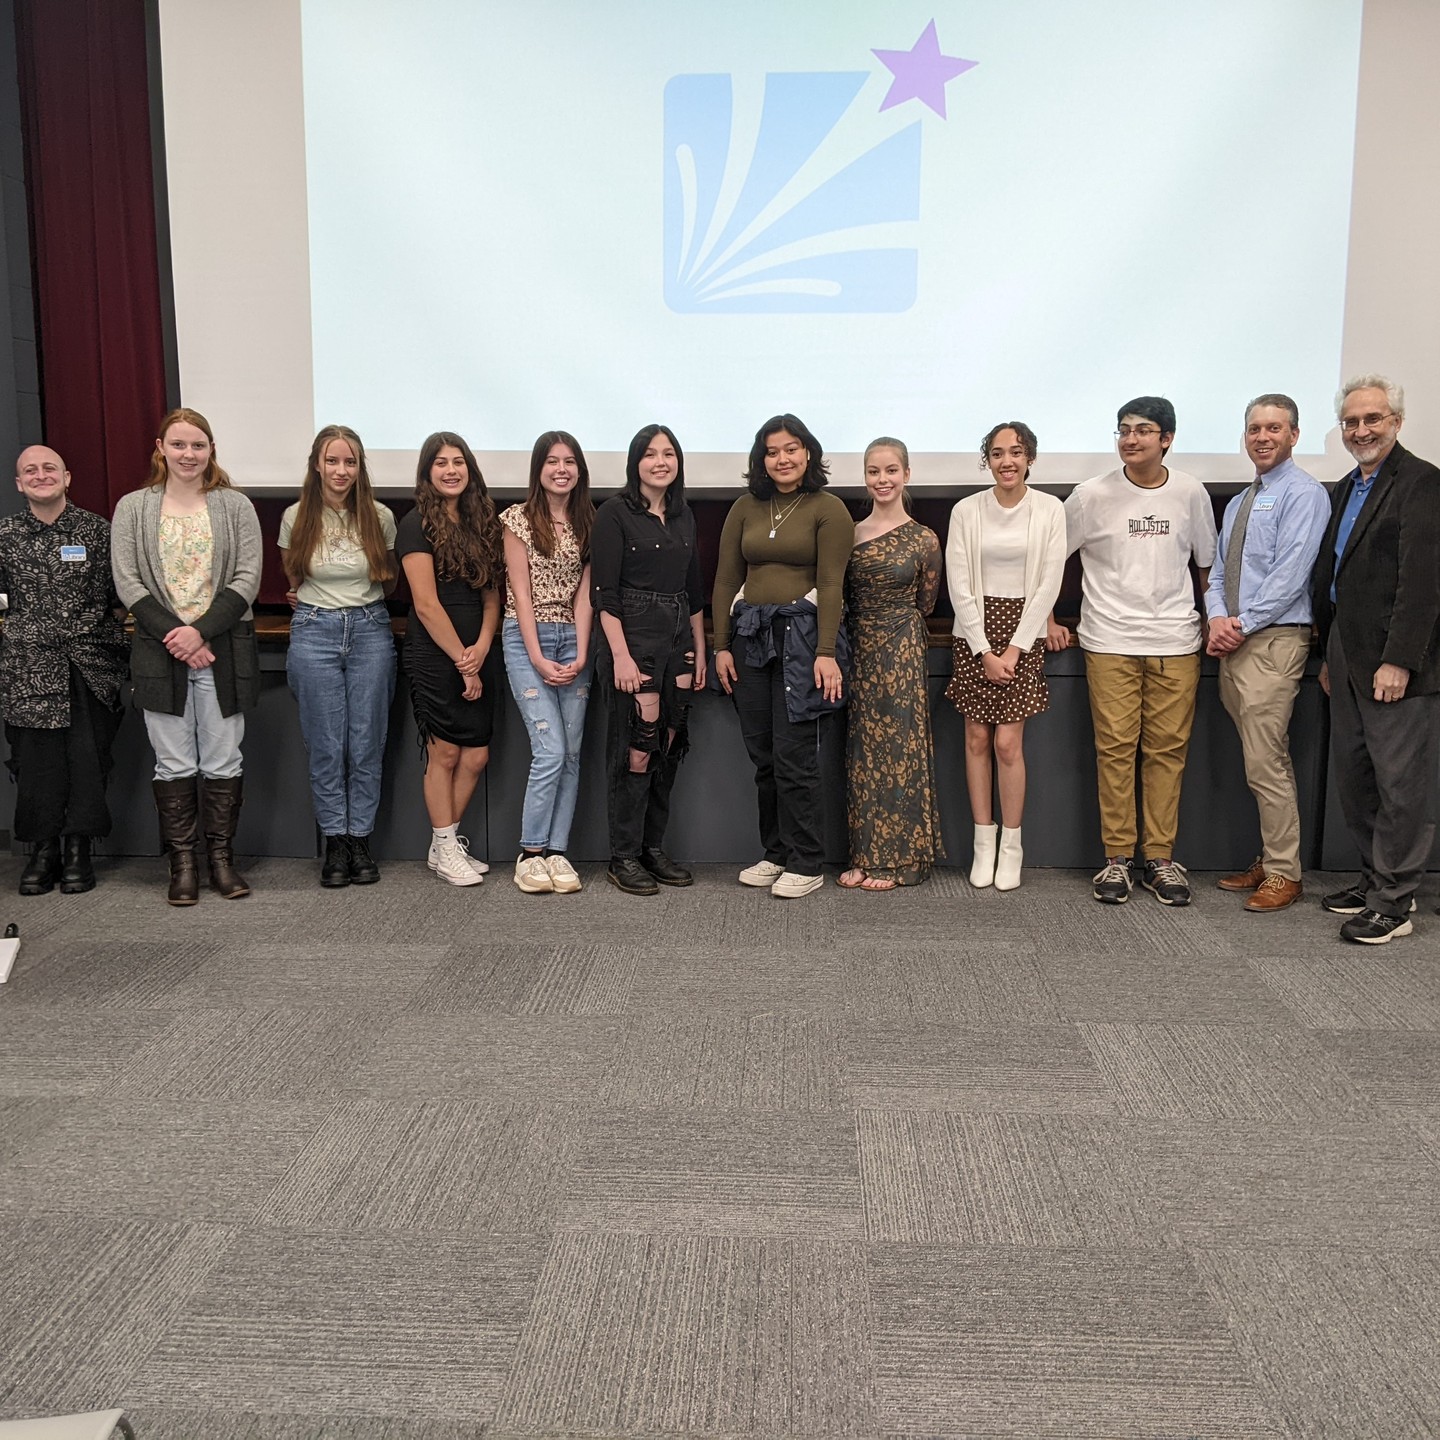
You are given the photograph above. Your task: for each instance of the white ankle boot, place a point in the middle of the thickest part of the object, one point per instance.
(982, 868)
(1007, 866)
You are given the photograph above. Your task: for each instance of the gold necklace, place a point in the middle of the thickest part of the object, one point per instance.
(775, 523)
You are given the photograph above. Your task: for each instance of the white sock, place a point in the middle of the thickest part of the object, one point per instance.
(445, 832)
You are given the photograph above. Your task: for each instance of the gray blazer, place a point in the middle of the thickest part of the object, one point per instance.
(161, 682)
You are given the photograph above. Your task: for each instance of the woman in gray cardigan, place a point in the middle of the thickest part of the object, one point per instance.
(186, 553)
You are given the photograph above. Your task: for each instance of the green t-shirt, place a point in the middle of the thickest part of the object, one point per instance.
(339, 576)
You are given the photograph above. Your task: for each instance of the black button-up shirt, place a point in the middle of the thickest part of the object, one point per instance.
(632, 549)
(62, 610)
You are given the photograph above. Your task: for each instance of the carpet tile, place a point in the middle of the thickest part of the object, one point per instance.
(364, 1323)
(728, 1062)
(953, 1067)
(1002, 1341)
(443, 1165)
(632, 1334)
(1041, 1180)
(1344, 1341)
(410, 1162)
(746, 1174)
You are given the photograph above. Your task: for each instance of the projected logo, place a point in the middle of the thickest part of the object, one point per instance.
(795, 196)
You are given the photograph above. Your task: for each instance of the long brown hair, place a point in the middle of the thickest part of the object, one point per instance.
(363, 517)
(467, 548)
(214, 477)
(579, 508)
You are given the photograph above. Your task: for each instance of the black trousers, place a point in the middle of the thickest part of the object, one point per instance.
(60, 775)
(660, 642)
(1385, 758)
(786, 756)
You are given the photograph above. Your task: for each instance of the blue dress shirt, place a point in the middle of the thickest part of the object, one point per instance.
(1359, 494)
(1287, 524)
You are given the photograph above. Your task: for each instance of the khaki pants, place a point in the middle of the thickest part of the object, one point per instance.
(1258, 686)
(1144, 703)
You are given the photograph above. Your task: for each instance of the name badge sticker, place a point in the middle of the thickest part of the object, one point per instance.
(1264, 502)
(72, 554)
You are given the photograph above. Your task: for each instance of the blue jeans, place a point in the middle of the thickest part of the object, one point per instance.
(341, 667)
(202, 741)
(554, 718)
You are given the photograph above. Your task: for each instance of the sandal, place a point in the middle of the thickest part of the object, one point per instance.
(876, 883)
(846, 883)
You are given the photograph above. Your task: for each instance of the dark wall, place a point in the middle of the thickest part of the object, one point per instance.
(20, 419)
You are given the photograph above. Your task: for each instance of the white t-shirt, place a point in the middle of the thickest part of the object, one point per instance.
(1005, 538)
(1135, 545)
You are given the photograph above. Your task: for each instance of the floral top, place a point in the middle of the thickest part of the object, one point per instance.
(554, 579)
(62, 604)
(186, 557)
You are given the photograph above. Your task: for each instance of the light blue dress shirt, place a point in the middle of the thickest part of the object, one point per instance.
(1354, 504)
(1287, 524)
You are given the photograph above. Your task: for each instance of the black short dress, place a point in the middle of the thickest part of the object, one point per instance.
(436, 687)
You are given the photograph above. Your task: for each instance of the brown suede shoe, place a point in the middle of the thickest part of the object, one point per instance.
(1251, 879)
(1275, 893)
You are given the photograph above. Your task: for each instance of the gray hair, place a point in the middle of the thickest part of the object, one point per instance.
(1394, 394)
(1278, 402)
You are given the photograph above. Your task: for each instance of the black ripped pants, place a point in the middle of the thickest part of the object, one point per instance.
(658, 636)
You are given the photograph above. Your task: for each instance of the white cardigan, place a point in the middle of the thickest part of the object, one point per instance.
(1044, 568)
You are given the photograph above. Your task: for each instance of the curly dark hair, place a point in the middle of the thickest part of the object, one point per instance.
(467, 548)
(1023, 433)
(817, 472)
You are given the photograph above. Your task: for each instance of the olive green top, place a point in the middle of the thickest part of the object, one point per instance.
(810, 549)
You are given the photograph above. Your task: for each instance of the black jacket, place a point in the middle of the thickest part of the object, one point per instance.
(1387, 584)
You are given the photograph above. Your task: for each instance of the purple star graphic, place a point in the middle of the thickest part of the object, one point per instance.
(921, 72)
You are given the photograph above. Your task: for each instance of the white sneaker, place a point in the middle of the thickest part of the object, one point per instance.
(532, 874)
(452, 865)
(791, 886)
(433, 858)
(762, 874)
(563, 879)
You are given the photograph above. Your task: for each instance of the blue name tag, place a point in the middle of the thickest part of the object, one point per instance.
(1264, 502)
(72, 554)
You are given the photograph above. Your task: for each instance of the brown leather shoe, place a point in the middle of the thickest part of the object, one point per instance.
(1275, 893)
(1251, 879)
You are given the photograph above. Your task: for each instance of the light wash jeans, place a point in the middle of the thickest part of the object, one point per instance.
(341, 667)
(201, 741)
(554, 718)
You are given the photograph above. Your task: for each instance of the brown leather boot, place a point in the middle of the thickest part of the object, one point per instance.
(175, 801)
(222, 814)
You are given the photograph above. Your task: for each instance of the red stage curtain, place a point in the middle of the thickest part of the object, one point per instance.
(85, 106)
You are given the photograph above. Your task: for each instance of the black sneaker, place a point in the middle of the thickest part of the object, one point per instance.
(1350, 901)
(1166, 881)
(626, 873)
(1370, 927)
(1113, 884)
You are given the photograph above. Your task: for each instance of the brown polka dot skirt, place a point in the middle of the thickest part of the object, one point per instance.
(979, 699)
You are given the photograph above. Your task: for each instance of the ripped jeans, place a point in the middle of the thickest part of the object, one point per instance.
(660, 641)
(554, 718)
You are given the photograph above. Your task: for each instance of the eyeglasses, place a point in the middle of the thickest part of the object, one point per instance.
(1140, 432)
(1351, 423)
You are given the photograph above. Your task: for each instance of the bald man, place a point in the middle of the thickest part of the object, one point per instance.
(63, 660)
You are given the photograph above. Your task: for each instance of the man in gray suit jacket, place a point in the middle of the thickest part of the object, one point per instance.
(1376, 594)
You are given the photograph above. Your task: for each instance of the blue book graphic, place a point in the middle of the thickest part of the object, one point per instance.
(798, 226)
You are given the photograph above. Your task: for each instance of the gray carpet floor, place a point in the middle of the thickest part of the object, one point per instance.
(415, 1163)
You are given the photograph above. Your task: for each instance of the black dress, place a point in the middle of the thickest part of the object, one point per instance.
(436, 686)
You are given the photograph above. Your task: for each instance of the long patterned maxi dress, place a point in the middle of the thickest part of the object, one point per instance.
(890, 587)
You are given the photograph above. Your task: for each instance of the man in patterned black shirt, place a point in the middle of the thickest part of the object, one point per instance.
(63, 660)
